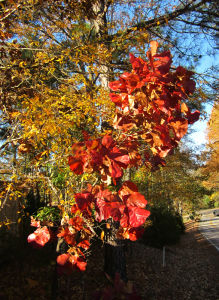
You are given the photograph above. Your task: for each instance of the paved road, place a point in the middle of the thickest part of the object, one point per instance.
(209, 227)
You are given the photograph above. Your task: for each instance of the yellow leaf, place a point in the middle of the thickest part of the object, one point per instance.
(15, 114)
(102, 235)
(22, 64)
(44, 152)
(184, 108)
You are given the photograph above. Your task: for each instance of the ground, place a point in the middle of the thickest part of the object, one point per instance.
(191, 272)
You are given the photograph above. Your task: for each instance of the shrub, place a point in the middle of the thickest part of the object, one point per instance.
(207, 202)
(164, 227)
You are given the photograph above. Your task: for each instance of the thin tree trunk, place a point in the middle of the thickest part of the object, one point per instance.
(114, 256)
(61, 247)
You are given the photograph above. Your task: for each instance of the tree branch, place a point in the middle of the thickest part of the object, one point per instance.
(162, 19)
(200, 24)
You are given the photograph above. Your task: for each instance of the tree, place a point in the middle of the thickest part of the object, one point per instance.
(76, 45)
(57, 61)
(145, 130)
(72, 47)
(177, 187)
(211, 167)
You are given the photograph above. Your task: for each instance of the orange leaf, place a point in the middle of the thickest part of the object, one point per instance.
(153, 45)
(184, 108)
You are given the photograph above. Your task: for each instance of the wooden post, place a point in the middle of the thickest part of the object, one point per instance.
(164, 256)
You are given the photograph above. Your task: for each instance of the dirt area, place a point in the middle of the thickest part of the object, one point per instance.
(191, 272)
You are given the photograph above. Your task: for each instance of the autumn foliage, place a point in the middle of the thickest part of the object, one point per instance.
(150, 120)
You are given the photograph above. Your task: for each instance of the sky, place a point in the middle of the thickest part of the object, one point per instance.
(198, 135)
(199, 129)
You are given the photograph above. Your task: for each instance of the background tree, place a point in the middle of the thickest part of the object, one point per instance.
(177, 186)
(210, 169)
(74, 47)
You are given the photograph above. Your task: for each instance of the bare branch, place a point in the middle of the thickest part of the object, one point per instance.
(162, 19)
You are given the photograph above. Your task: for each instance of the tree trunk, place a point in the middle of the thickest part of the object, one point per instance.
(99, 22)
(114, 256)
(61, 247)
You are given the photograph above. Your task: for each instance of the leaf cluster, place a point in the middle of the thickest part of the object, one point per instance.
(48, 214)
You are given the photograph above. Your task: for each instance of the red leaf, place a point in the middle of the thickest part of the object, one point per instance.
(39, 237)
(136, 199)
(187, 84)
(115, 170)
(34, 222)
(68, 236)
(102, 210)
(81, 264)
(131, 81)
(107, 205)
(120, 100)
(120, 156)
(76, 165)
(193, 117)
(67, 263)
(78, 159)
(105, 210)
(134, 217)
(96, 159)
(92, 144)
(64, 266)
(77, 222)
(183, 72)
(114, 159)
(74, 208)
(162, 65)
(135, 233)
(118, 85)
(85, 135)
(63, 259)
(139, 65)
(180, 127)
(124, 122)
(84, 200)
(85, 244)
(108, 142)
(115, 211)
(127, 189)
(70, 239)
